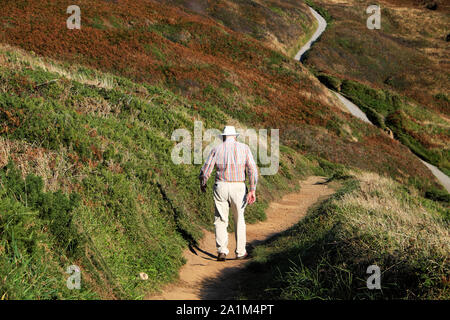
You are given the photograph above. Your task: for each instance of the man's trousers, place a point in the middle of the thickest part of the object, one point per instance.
(230, 195)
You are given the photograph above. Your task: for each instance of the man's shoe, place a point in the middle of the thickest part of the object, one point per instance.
(245, 256)
(221, 257)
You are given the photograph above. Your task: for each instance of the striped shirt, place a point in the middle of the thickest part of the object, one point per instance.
(233, 161)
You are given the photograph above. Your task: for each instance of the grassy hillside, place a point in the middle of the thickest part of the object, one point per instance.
(209, 64)
(87, 179)
(370, 221)
(398, 74)
(283, 25)
(86, 118)
(422, 130)
(408, 54)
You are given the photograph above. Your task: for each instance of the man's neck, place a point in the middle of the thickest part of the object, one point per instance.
(230, 138)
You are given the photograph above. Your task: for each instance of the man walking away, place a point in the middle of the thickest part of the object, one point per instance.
(233, 162)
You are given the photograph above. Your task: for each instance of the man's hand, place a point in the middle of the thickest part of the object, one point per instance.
(202, 184)
(251, 197)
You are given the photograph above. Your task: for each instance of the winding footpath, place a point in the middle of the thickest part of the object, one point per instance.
(322, 25)
(204, 278)
(354, 109)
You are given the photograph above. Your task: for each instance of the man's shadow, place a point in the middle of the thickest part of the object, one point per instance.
(195, 249)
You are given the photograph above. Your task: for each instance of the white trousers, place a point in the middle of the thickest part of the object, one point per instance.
(230, 195)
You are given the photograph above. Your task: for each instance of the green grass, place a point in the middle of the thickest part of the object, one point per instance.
(108, 197)
(322, 11)
(32, 222)
(369, 221)
(387, 109)
(277, 10)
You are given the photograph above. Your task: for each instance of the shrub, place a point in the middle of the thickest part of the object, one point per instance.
(438, 195)
(331, 82)
(37, 238)
(54, 209)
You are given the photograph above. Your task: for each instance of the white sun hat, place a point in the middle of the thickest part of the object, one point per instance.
(229, 131)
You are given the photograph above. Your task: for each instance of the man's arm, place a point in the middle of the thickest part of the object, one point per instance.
(252, 173)
(207, 169)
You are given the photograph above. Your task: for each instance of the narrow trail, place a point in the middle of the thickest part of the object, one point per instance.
(202, 277)
(321, 26)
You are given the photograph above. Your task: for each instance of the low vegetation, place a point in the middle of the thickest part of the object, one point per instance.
(422, 130)
(371, 221)
(87, 179)
(86, 118)
(407, 55)
(283, 25)
(397, 75)
(211, 66)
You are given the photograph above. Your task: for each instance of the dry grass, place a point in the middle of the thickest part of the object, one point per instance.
(23, 58)
(410, 49)
(281, 25)
(371, 220)
(404, 221)
(56, 170)
(97, 107)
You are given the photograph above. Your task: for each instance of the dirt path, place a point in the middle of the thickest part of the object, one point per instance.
(321, 26)
(202, 277)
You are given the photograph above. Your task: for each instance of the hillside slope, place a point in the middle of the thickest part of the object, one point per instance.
(283, 25)
(398, 75)
(85, 139)
(370, 221)
(86, 160)
(209, 64)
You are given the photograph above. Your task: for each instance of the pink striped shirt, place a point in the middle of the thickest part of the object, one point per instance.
(233, 161)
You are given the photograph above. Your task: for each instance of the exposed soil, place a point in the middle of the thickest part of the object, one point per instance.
(203, 277)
